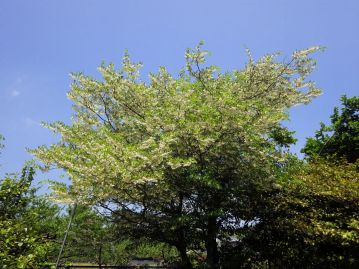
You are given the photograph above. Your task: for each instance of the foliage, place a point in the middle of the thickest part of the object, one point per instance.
(341, 138)
(126, 249)
(183, 160)
(25, 219)
(93, 239)
(89, 236)
(312, 220)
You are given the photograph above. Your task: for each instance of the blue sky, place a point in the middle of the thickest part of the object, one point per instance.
(41, 42)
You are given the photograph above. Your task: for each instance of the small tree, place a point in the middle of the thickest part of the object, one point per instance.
(180, 160)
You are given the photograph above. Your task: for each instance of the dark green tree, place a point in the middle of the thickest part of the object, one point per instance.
(341, 137)
(311, 220)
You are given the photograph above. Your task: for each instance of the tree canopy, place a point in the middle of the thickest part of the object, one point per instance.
(181, 159)
(195, 167)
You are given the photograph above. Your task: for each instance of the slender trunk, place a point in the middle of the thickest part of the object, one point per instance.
(100, 257)
(211, 244)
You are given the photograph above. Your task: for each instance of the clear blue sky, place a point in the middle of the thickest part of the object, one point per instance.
(41, 42)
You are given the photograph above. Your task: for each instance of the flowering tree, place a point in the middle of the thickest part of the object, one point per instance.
(184, 159)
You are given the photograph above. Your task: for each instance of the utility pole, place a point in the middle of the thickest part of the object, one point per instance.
(65, 237)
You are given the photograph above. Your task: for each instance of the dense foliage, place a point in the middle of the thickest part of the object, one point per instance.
(311, 221)
(32, 229)
(180, 160)
(93, 239)
(26, 223)
(193, 169)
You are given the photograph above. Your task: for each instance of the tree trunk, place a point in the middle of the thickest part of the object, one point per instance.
(186, 263)
(211, 244)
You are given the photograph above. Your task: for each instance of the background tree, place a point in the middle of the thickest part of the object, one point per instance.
(180, 160)
(341, 138)
(26, 223)
(311, 221)
(90, 237)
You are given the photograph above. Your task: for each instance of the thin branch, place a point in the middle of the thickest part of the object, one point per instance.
(107, 114)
